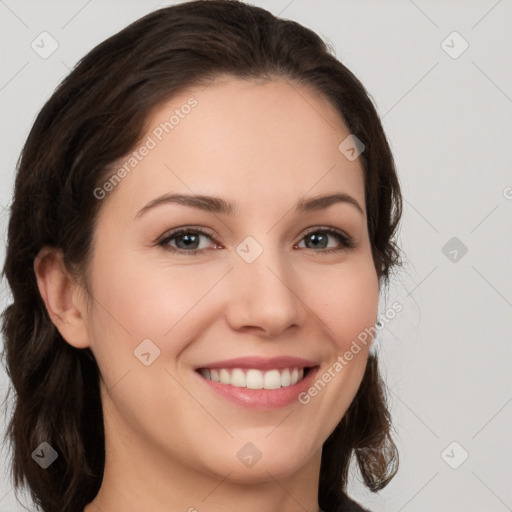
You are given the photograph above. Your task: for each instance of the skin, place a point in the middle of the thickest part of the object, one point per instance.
(171, 443)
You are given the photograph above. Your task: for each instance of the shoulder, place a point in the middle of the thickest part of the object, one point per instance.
(348, 505)
(342, 503)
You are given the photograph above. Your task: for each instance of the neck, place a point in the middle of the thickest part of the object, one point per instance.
(145, 477)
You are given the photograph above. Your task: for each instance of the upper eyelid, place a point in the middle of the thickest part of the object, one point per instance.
(205, 232)
(186, 229)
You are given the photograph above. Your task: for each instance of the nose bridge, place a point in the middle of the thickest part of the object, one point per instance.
(265, 294)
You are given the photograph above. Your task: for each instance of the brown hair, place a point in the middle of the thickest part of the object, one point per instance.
(96, 116)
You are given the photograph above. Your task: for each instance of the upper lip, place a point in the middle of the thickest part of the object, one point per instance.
(261, 363)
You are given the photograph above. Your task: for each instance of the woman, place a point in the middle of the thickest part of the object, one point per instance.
(202, 223)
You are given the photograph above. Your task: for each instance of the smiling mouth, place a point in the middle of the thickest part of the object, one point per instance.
(252, 378)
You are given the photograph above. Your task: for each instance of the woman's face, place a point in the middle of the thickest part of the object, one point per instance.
(263, 284)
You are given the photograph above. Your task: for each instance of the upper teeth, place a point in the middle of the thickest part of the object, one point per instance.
(254, 379)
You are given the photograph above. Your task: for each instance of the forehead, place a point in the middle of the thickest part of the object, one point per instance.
(249, 141)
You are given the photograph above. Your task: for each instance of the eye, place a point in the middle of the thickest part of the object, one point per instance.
(319, 238)
(187, 240)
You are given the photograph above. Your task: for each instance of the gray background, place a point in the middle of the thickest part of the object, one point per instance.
(447, 355)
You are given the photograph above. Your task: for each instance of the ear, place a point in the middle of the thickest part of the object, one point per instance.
(62, 296)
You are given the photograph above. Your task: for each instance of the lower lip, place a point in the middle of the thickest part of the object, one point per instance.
(262, 398)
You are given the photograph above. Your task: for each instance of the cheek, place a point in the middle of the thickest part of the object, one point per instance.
(147, 300)
(137, 301)
(345, 298)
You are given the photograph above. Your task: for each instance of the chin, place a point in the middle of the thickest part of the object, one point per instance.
(249, 466)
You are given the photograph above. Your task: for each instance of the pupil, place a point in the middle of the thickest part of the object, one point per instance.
(187, 244)
(316, 237)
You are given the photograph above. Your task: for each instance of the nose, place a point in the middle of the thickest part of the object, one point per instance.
(265, 296)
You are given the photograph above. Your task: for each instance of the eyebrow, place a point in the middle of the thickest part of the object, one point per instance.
(221, 206)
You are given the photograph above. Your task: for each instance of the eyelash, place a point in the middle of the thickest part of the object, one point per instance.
(346, 241)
